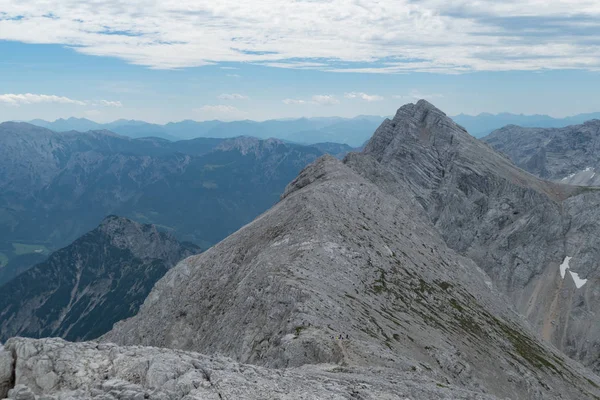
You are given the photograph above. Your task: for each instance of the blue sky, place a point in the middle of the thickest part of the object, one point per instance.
(171, 60)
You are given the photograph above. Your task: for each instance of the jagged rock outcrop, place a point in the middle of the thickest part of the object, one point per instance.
(51, 369)
(568, 155)
(84, 288)
(350, 250)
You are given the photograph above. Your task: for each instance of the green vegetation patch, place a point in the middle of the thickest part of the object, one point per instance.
(3, 260)
(22, 248)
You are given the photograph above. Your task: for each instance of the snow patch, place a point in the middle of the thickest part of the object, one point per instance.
(564, 267)
(578, 281)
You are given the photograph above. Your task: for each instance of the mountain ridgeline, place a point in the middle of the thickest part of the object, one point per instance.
(568, 155)
(80, 291)
(54, 187)
(349, 131)
(409, 249)
(428, 266)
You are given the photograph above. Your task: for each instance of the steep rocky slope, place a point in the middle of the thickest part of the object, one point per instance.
(569, 155)
(84, 288)
(516, 227)
(341, 271)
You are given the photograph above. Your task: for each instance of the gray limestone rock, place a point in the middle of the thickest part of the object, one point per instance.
(105, 371)
(350, 250)
(568, 155)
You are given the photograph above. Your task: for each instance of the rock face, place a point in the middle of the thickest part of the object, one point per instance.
(84, 288)
(352, 251)
(568, 155)
(516, 227)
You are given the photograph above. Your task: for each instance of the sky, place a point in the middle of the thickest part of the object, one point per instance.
(170, 60)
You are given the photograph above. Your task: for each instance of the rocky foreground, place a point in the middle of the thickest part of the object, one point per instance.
(52, 369)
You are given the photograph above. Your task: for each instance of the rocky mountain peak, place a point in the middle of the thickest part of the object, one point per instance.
(416, 125)
(143, 240)
(82, 289)
(421, 110)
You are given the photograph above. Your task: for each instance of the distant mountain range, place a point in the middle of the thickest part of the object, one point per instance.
(351, 131)
(568, 155)
(56, 186)
(484, 124)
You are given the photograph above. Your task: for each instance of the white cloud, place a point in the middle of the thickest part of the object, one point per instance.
(363, 96)
(108, 103)
(220, 111)
(295, 101)
(318, 99)
(232, 96)
(417, 95)
(325, 99)
(29, 98)
(387, 36)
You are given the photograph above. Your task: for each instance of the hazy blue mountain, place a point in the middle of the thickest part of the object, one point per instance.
(337, 150)
(484, 124)
(80, 291)
(56, 186)
(70, 124)
(350, 131)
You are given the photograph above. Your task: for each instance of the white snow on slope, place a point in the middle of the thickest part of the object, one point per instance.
(578, 281)
(565, 266)
(563, 270)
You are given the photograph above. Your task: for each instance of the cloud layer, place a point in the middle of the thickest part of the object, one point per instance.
(318, 99)
(30, 98)
(387, 36)
(363, 96)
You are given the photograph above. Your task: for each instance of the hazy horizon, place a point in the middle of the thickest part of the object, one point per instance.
(102, 122)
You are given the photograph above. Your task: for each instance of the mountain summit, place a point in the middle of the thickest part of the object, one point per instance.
(397, 265)
(360, 264)
(82, 289)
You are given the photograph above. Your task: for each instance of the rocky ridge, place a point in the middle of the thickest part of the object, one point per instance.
(515, 226)
(82, 289)
(350, 250)
(568, 155)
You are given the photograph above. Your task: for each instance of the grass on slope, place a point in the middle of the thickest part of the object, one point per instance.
(22, 248)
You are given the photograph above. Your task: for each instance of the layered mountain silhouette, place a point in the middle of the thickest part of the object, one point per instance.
(54, 187)
(426, 267)
(485, 123)
(349, 131)
(82, 289)
(568, 155)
